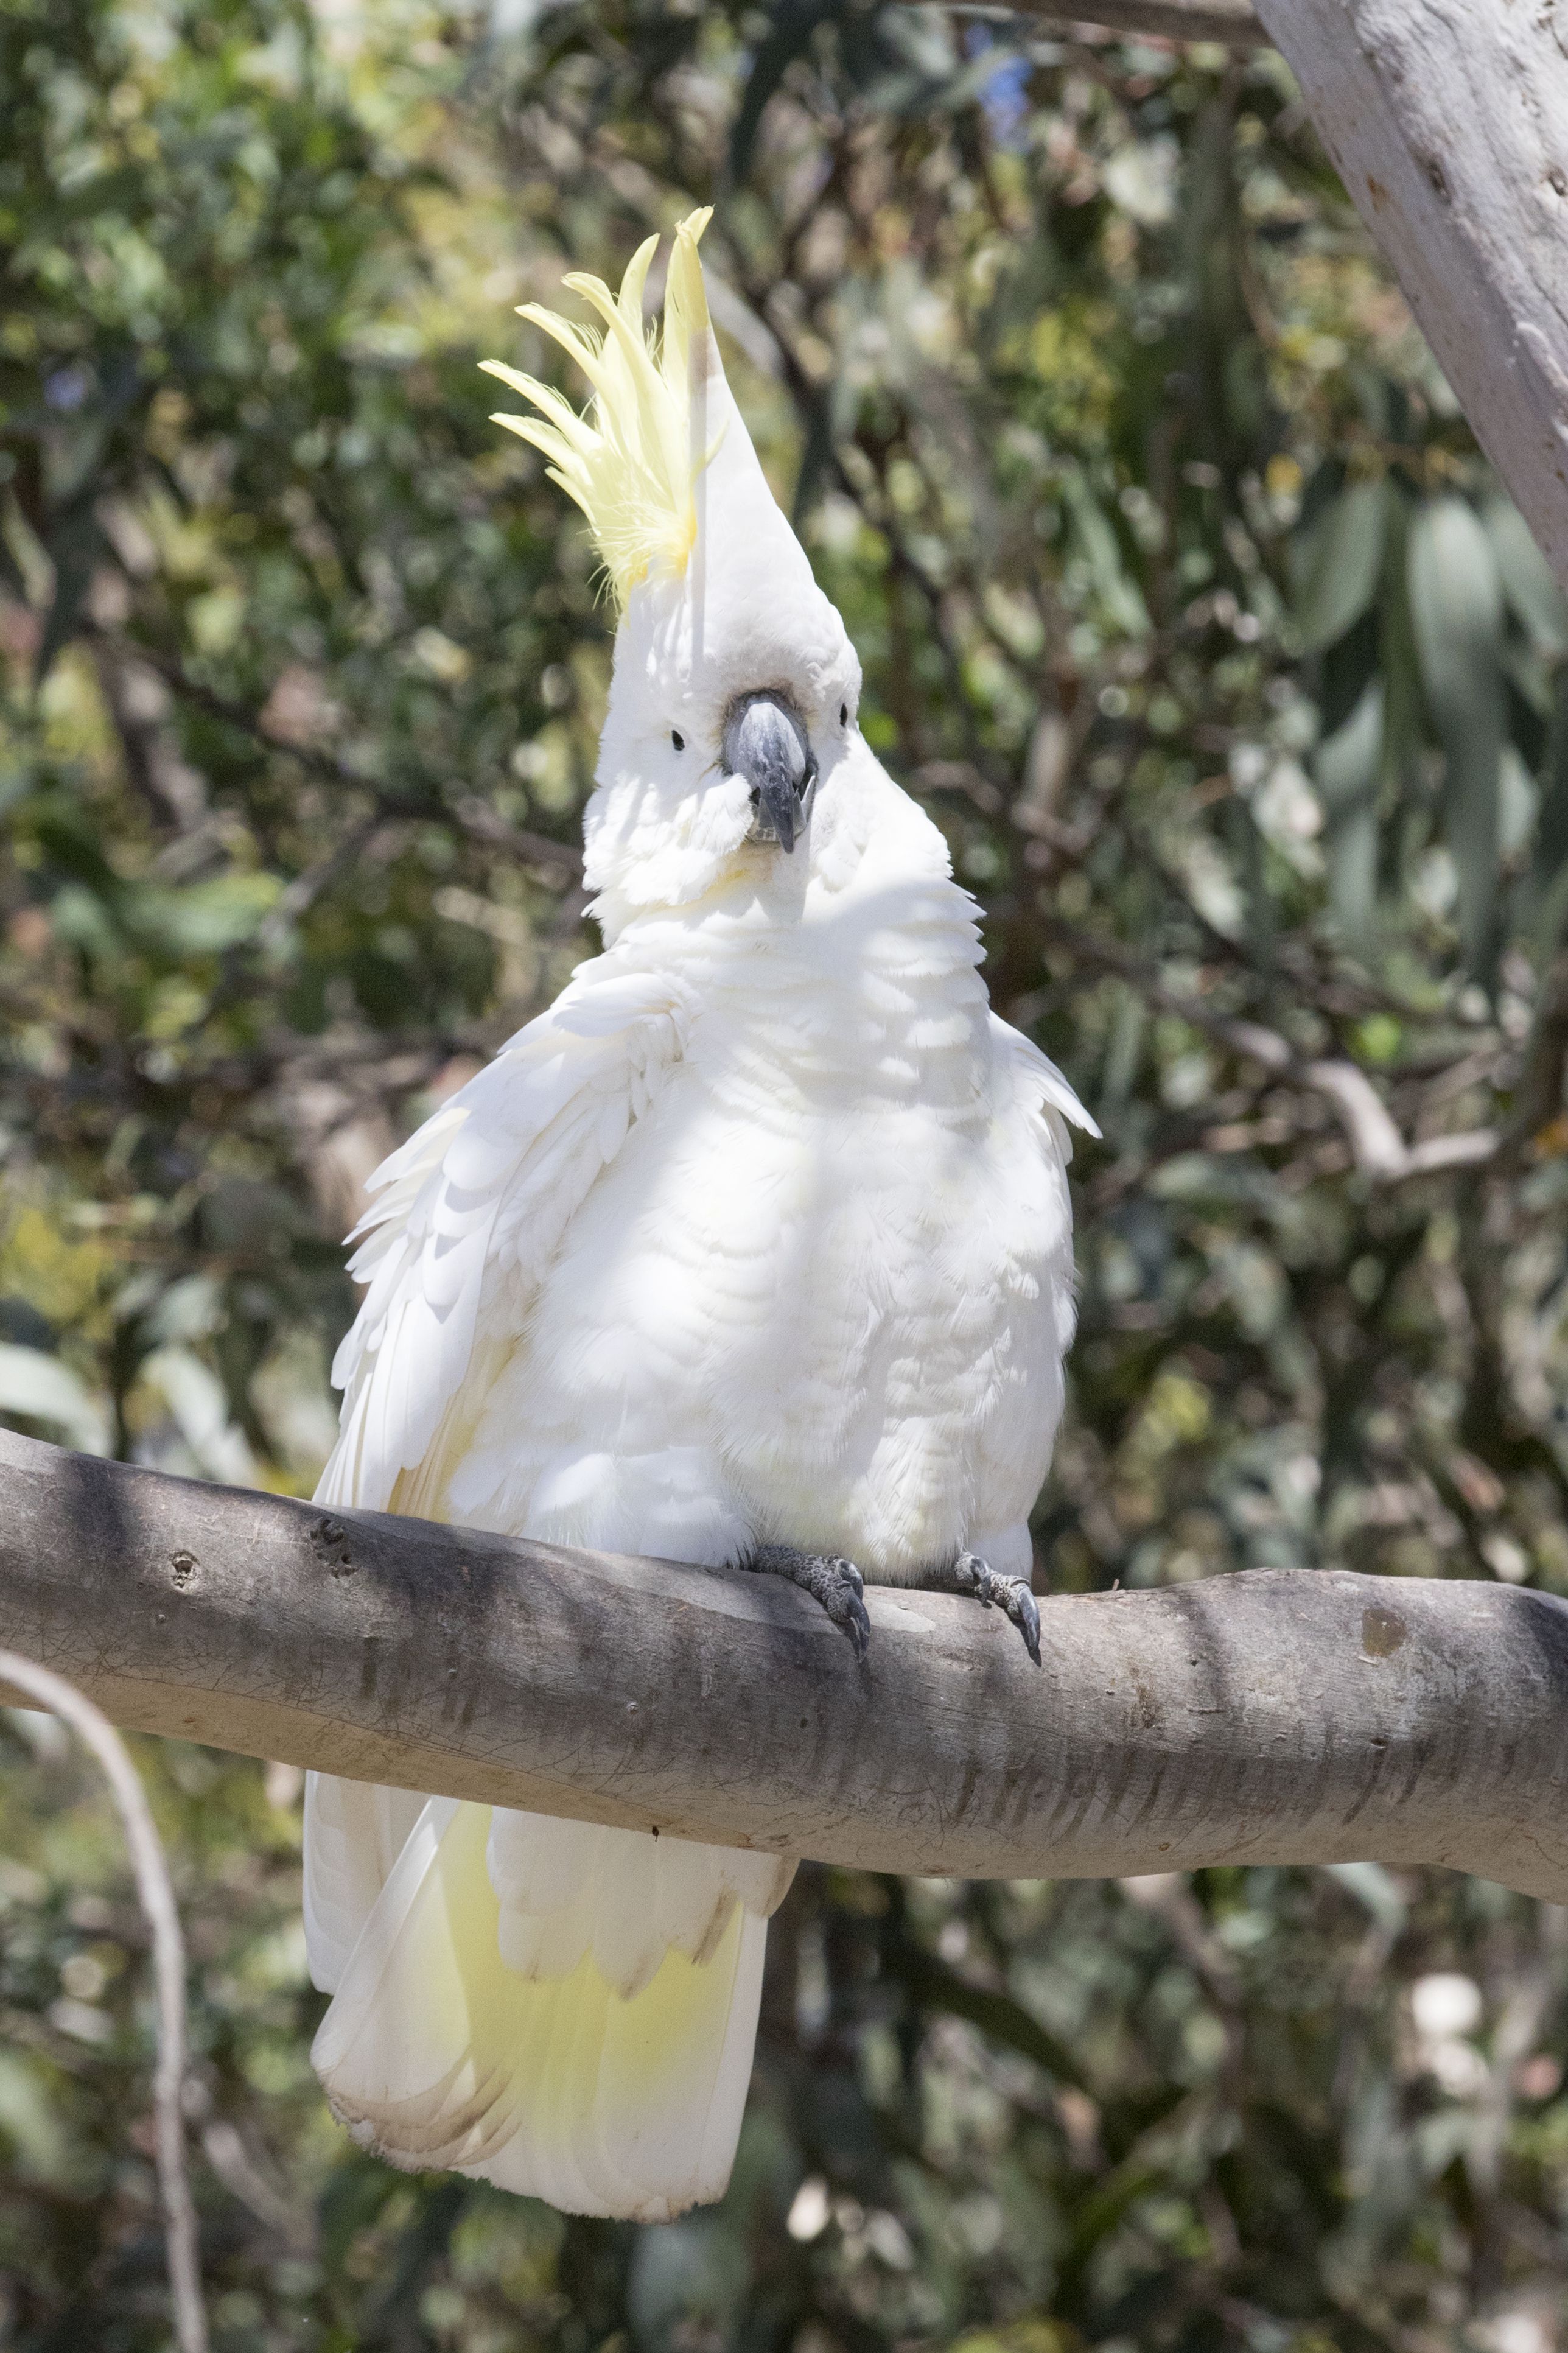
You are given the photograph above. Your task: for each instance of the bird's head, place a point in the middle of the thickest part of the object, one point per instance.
(734, 696)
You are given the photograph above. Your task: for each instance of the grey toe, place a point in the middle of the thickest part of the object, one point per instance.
(834, 1583)
(971, 1574)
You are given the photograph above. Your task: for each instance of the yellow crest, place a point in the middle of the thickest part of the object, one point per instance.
(630, 462)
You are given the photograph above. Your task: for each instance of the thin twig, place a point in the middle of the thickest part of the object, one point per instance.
(300, 894)
(1377, 1144)
(1538, 1098)
(1231, 21)
(156, 1893)
(471, 816)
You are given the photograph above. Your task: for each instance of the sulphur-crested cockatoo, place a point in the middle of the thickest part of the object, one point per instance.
(754, 1250)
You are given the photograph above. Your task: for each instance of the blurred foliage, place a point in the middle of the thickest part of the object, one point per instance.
(1188, 607)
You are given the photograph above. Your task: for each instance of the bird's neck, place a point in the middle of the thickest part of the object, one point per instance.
(860, 966)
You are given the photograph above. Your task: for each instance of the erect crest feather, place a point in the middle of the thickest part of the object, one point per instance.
(630, 461)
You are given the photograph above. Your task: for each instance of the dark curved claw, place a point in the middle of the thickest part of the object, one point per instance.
(971, 1574)
(1021, 1606)
(844, 1604)
(834, 1583)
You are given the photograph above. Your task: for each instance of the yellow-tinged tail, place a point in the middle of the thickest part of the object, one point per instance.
(435, 2052)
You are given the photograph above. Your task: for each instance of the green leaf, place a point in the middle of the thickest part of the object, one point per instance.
(1533, 597)
(1348, 772)
(38, 1388)
(1457, 609)
(1343, 560)
(1097, 540)
(1519, 803)
(75, 543)
(1549, 866)
(81, 919)
(204, 918)
(35, 2122)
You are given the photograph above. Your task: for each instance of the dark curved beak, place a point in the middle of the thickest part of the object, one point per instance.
(766, 742)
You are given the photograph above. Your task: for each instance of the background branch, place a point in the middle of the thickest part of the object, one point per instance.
(1378, 1148)
(1232, 21)
(470, 814)
(37, 1686)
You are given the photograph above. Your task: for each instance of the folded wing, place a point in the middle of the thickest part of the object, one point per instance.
(465, 1220)
(468, 1214)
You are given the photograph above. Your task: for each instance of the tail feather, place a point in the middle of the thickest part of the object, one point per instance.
(435, 2052)
(568, 1889)
(354, 1833)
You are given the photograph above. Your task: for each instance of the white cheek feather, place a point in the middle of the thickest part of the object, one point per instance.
(761, 1234)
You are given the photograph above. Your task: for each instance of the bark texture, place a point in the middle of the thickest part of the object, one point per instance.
(1263, 1718)
(1447, 121)
(1234, 22)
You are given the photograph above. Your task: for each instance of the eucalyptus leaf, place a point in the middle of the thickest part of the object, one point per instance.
(74, 545)
(35, 2125)
(1096, 539)
(40, 1388)
(1549, 865)
(1532, 675)
(204, 918)
(1348, 771)
(1403, 716)
(193, 1399)
(1344, 559)
(1533, 597)
(1519, 804)
(1457, 609)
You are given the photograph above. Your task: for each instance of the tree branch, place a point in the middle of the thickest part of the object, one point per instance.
(1377, 1147)
(1447, 121)
(1261, 1718)
(470, 815)
(39, 1686)
(1232, 21)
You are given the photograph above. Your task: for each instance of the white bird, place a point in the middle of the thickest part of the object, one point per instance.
(754, 1250)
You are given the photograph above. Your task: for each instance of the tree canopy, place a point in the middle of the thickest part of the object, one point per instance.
(1188, 607)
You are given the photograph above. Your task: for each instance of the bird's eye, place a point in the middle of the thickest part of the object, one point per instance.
(844, 714)
(677, 739)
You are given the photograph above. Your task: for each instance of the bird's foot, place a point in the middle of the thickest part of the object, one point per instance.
(837, 1584)
(974, 1577)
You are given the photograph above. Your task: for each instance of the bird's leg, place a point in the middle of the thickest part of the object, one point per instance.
(837, 1584)
(974, 1577)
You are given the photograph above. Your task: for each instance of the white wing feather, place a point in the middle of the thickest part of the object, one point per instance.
(473, 1207)
(466, 1216)
(1044, 1087)
(355, 1833)
(563, 2009)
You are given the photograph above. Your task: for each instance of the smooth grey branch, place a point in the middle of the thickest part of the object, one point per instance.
(1265, 1717)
